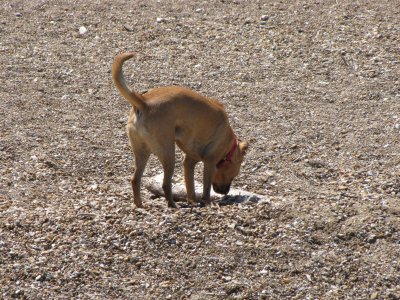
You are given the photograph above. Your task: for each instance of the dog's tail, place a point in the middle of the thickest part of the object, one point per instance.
(132, 97)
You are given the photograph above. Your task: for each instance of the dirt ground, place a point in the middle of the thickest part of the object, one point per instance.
(313, 86)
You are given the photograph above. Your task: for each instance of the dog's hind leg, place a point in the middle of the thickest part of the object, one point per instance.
(167, 159)
(142, 154)
(188, 167)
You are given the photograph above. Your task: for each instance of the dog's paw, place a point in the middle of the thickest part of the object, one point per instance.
(173, 204)
(137, 205)
(191, 202)
(205, 203)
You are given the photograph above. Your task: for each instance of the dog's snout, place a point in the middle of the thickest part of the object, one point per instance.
(224, 189)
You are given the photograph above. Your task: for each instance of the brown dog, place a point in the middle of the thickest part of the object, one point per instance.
(198, 125)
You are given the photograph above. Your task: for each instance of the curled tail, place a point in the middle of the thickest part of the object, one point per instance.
(132, 97)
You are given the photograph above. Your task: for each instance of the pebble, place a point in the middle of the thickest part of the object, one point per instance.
(165, 284)
(232, 225)
(374, 295)
(18, 293)
(40, 277)
(128, 28)
(264, 18)
(82, 30)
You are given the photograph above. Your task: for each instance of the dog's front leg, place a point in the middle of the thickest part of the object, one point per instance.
(209, 168)
(188, 168)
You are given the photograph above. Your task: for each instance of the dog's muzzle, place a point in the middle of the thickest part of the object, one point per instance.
(222, 189)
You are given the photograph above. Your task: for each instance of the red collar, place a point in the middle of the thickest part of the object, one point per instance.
(228, 157)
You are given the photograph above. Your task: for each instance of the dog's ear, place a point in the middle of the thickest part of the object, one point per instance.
(243, 146)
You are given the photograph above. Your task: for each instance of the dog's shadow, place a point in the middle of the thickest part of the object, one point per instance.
(179, 194)
(226, 200)
(237, 199)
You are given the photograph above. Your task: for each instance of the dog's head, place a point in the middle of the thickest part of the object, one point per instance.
(229, 169)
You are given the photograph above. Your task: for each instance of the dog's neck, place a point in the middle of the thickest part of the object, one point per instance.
(228, 157)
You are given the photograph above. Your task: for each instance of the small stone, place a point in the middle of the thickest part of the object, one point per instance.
(41, 277)
(231, 225)
(18, 14)
(165, 284)
(264, 18)
(128, 28)
(372, 238)
(159, 20)
(82, 30)
(374, 295)
(233, 288)
(18, 293)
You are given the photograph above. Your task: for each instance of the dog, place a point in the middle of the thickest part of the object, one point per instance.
(165, 116)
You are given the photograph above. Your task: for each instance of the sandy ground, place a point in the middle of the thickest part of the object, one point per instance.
(313, 86)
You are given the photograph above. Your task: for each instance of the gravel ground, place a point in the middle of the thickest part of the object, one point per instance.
(312, 85)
